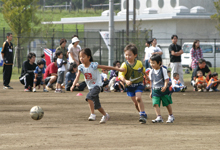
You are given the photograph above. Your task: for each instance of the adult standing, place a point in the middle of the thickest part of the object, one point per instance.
(50, 75)
(71, 45)
(154, 49)
(146, 56)
(196, 54)
(27, 73)
(74, 51)
(176, 51)
(7, 56)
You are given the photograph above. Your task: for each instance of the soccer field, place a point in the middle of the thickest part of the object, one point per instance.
(65, 125)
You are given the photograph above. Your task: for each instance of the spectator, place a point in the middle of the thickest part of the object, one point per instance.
(27, 73)
(176, 84)
(105, 81)
(113, 75)
(154, 49)
(213, 83)
(74, 51)
(71, 45)
(196, 54)
(43, 59)
(176, 51)
(147, 55)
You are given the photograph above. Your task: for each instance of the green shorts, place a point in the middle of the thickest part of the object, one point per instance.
(166, 100)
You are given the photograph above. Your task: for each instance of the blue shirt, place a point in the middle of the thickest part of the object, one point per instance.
(69, 77)
(39, 71)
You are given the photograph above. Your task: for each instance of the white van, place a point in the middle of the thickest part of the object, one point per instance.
(208, 53)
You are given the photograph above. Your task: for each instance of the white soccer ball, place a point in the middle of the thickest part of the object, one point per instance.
(36, 113)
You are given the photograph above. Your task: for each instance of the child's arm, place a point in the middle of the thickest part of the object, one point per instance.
(150, 90)
(35, 77)
(110, 68)
(75, 81)
(127, 82)
(163, 89)
(42, 77)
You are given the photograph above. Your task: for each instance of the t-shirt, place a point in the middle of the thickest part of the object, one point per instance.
(39, 71)
(201, 79)
(157, 80)
(153, 50)
(134, 73)
(204, 70)
(147, 53)
(64, 51)
(69, 77)
(51, 68)
(175, 48)
(7, 50)
(91, 75)
(28, 68)
(75, 52)
(104, 76)
(61, 66)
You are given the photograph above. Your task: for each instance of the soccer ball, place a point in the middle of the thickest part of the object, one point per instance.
(36, 113)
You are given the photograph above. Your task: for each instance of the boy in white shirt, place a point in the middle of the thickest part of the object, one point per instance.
(61, 69)
(105, 81)
(176, 84)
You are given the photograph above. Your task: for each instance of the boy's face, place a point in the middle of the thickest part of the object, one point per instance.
(202, 65)
(118, 65)
(61, 55)
(177, 77)
(41, 66)
(215, 77)
(129, 56)
(154, 64)
(199, 74)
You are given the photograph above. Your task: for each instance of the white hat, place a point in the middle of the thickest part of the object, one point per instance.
(75, 39)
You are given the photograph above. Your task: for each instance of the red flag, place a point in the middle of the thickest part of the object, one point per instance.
(48, 55)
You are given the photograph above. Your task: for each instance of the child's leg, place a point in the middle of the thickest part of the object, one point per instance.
(157, 109)
(135, 103)
(91, 106)
(139, 101)
(102, 111)
(169, 108)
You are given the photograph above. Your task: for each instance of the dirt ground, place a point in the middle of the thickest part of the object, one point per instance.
(65, 126)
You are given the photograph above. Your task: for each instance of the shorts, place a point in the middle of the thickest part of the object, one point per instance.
(94, 96)
(39, 81)
(166, 99)
(134, 88)
(60, 77)
(47, 79)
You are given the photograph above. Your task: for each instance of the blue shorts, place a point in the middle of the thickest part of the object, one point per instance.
(134, 88)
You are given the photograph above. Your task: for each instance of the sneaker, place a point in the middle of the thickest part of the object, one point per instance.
(158, 120)
(216, 90)
(7, 87)
(48, 88)
(104, 118)
(34, 90)
(142, 119)
(92, 117)
(211, 90)
(170, 119)
(200, 90)
(45, 90)
(58, 91)
(26, 90)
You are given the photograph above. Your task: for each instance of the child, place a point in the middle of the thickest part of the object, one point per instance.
(176, 84)
(38, 75)
(61, 70)
(43, 59)
(113, 75)
(160, 91)
(147, 80)
(119, 85)
(133, 77)
(105, 81)
(213, 83)
(71, 76)
(170, 81)
(200, 81)
(93, 81)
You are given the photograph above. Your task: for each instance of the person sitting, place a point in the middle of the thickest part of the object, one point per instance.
(70, 77)
(113, 75)
(50, 75)
(213, 83)
(169, 74)
(27, 73)
(119, 85)
(202, 67)
(105, 81)
(176, 84)
(38, 75)
(200, 81)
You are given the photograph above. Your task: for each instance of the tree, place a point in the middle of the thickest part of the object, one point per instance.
(21, 18)
(217, 15)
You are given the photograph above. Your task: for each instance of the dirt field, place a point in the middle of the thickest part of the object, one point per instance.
(65, 125)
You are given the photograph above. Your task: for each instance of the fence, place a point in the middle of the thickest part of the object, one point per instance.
(93, 40)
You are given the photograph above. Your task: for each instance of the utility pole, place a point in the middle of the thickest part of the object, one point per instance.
(127, 21)
(111, 32)
(82, 4)
(134, 15)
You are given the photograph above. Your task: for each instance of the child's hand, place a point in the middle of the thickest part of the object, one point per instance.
(163, 89)
(128, 82)
(150, 95)
(77, 84)
(35, 80)
(71, 89)
(213, 81)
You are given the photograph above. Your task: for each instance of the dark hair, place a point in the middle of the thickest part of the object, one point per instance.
(201, 60)
(62, 41)
(73, 65)
(168, 71)
(87, 52)
(8, 34)
(131, 47)
(75, 36)
(174, 36)
(157, 58)
(115, 62)
(58, 53)
(214, 74)
(40, 62)
(175, 74)
(194, 44)
(148, 42)
(42, 56)
(54, 59)
(30, 55)
(152, 40)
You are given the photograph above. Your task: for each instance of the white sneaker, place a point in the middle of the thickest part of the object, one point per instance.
(211, 90)
(158, 120)
(92, 117)
(34, 90)
(104, 118)
(170, 119)
(45, 90)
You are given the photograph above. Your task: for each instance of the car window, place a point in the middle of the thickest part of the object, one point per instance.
(217, 48)
(187, 48)
(206, 48)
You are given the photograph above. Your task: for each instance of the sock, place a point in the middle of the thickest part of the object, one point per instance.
(48, 84)
(59, 89)
(142, 113)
